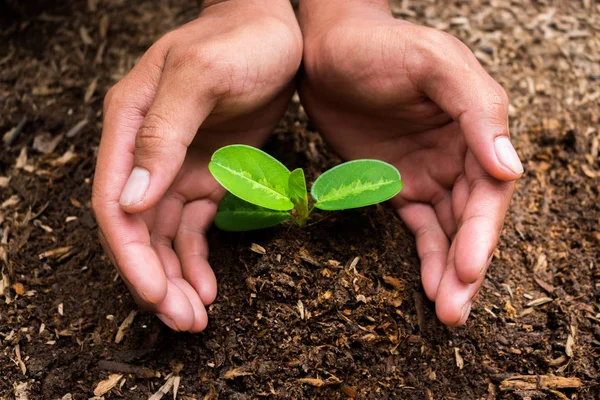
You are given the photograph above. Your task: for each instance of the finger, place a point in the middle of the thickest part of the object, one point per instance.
(176, 311)
(166, 223)
(481, 222)
(182, 102)
(149, 217)
(445, 214)
(189, 307)
(192, 248)
(460, 196)
(126, 235)
(474, 244)
(454, 298)
(432, 244)
(457, 83)
(200, 316)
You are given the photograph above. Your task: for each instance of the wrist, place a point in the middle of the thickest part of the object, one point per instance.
(251, 10)
(316, 15)
(273, 6)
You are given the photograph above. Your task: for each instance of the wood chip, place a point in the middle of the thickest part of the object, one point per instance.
(306, 257)
(590, 173)
(10, 136)
(103, 26)
(536, 382)
(21, 161)
(55, 253)
(19, 360)
(557, 361)
(460, 362)
(301, 309)
(570, 341)
(90, 91)
(235, 372)
(510, 310)
(66, 158)
(317, 382)
(124, 325)
(258, 249)
(106, 385)
(85, 36)
(4, 282)
(21, 391)
(46, 143)
(4, 180)
(176, 381)
(11, 201)
(396, 283)
(526, 312)
(19, 288)
(353, 264)
(77, 128)
(349, 391)
(61, 309)
(539, 302)
(546, 286)
(164, 389)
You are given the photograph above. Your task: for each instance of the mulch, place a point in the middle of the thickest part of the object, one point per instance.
(331, 311)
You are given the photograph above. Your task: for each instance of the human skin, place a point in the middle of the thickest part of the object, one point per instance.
(378, 87)
(223, 78)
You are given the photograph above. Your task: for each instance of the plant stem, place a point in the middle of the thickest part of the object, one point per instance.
(301, 217)
(296, 220)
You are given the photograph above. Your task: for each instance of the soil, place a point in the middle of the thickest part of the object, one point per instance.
(335, 310)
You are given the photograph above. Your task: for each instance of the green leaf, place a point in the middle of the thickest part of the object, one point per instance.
(356, 184)
(252, 175)
(237, 215)
(298, 193)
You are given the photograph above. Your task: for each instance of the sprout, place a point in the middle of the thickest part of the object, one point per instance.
(264, 193)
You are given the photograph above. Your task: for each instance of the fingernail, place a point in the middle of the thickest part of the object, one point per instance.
(167, 321)
(136, 186)
(507, 155)
(465, 311)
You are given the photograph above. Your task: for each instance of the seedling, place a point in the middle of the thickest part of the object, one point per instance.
(264, 193)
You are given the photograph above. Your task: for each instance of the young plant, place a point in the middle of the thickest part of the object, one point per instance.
(264, 193)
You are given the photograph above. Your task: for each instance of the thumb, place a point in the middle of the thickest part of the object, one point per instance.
(161, 144)
(459, 85)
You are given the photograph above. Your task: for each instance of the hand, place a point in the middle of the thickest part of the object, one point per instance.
(225, 77)
(382, 88)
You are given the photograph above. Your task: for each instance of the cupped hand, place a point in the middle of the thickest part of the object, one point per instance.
(416, 97)
(224, 78)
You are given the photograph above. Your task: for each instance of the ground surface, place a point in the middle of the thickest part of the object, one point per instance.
(307, 319)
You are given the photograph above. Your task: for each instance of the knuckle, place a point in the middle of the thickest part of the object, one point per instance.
(426, 51)
(496, 108)
(156, 138)
(193, 58)
(112, 94)
(431, 52)
(503, 96)
(220, 73)
(152, 135)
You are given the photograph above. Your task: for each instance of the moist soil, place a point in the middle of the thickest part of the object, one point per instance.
(334, 310)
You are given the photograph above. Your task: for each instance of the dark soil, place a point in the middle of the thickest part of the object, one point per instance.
(335, 310)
